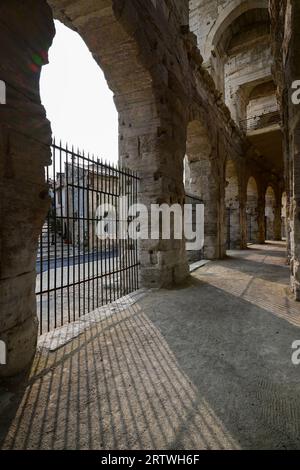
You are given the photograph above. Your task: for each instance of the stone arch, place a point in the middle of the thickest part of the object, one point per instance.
(232, 202)
(252, 210)
(202, 181)
(270, 207)
(152, 139)
(227, 16)
(218, 52)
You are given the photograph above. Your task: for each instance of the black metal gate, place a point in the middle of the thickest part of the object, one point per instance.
(78, 270)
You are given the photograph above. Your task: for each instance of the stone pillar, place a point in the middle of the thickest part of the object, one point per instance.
(232, 201)
(285, 18)
(243, 219)
(203, 182)
(261, 210)
(295, 217)
(25, 136)
(253, 217)
(154, 146)
(233, 225)
(278, 223)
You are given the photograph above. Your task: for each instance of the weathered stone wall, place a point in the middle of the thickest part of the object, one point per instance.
(270, 213)
(285, 17)
(244, 70)
(26, 34)
(232, 201)
(209, 19)
(252, 211)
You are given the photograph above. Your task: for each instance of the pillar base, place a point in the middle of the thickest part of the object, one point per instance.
(152, 277)
(20, 343)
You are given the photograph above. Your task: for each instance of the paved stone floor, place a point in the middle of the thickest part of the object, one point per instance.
(206, 366)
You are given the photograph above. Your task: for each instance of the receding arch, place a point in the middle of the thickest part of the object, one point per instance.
(252, 210)
(226, 17)
(232, 206)
(226, 38)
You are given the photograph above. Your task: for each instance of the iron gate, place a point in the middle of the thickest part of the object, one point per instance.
(78, 271)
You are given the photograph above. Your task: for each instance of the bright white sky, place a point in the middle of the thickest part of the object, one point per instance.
(77, 99)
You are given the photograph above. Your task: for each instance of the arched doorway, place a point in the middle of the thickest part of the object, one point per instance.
(77, 99)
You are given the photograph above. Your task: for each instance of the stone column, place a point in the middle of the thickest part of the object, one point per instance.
(243, 219)
(233, 226)
(295, 217)
(156, 152)
(277, 223)
(25, 136)
(255, 217)
(203, 182)
(261, 211)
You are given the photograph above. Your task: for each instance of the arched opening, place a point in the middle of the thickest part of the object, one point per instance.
(201, 182)
(229, 15)
(84, 122)
(270, 207)
(232, 206)
(241, 37)
(76, 97)
(252, 211)
(151, 141)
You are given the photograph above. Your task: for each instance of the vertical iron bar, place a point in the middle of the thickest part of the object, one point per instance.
(98, 202)
(102, 265)
(62, 239)
(78, 235)
(88, 227)
(55, 233)
(109, 239)
(136, 243)
(48, 262)
(83, 230)
(68, 231)
(106, 200)
(93, 228)
(73, 238)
